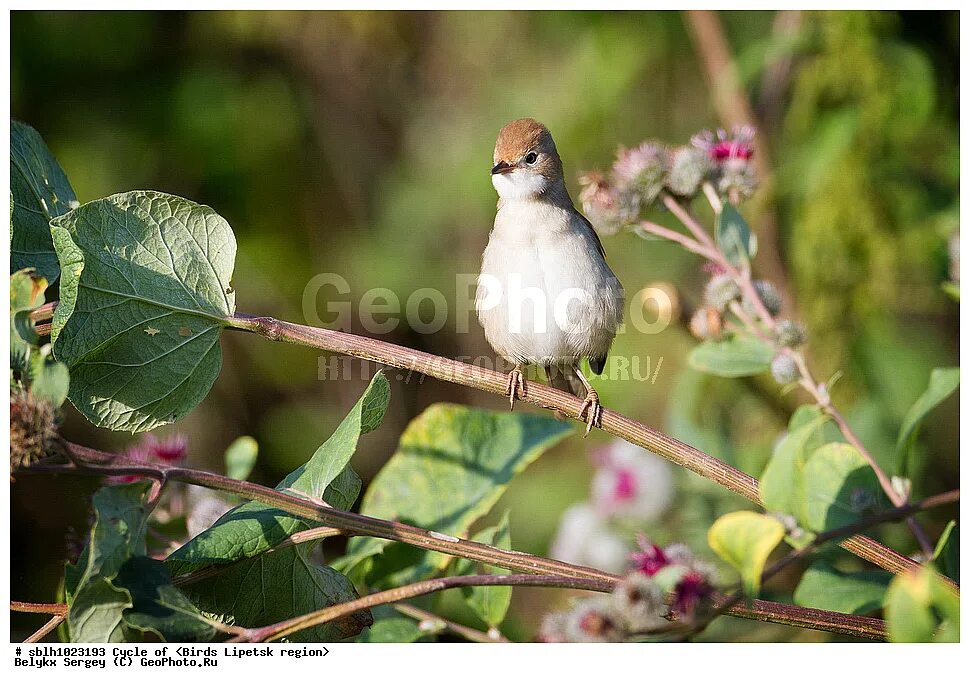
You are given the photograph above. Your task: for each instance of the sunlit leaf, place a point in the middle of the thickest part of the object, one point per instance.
(144, 296)
(736, 356)
(744, 540)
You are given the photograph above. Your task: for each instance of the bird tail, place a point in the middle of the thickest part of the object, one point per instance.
(564, 378)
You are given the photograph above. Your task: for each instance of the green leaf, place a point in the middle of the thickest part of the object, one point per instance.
(745, 540)
(253, 528)
(39, 191)
(49, 379)
(144, 297)
(782, 482)
(158, 607)
(947, 552)
(734, 237)
(943, 382)
(489, 602)
(452, 464)
(241, 457)
(392, 627)
(825, 587)
(840, 488)
(279, 585)
(912, 604)
(26, 293)
(736, 356)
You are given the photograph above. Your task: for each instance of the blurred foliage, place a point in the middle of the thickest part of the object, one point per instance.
(359, 143)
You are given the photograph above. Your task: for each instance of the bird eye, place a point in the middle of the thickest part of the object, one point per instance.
(531, 158)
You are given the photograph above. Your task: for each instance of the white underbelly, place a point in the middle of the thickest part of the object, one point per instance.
(547, 300)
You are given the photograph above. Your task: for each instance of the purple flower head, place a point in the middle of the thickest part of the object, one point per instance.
(651, 558)
(639, 164)
(721, 147)
(151, 450)
(692, 588)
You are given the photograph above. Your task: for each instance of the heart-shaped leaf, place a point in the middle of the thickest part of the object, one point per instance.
(825, 587)
(745, 540)
(840, 488)
(39, 191)
(144, 296)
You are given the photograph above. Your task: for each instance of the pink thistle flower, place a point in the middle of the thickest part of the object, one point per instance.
(651, 558)
(640, 163)
(173, 449)
(721, 147)
(150, 450)
(692, 588)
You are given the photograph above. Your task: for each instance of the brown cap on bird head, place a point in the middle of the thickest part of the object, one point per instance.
(526, 143)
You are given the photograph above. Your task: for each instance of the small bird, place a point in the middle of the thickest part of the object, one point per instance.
(546, 296)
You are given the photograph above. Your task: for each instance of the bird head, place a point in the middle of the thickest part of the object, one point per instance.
(527, 163)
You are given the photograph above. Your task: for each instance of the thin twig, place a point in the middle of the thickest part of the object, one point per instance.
(39, 634)
(674, 236)
(466, 632)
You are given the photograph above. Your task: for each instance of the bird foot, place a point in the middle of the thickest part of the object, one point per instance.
(515, 387)
(592, 410)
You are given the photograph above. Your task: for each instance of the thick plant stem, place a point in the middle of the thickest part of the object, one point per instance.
(92, 462)
(546, 397)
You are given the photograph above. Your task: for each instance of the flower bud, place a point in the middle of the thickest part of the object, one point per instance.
(769, 297)
(706, 323)
(790, 334)
(594, 621)
(638, 599)
(720, 291)
(784, 369)
(641, 171)
(689, 167)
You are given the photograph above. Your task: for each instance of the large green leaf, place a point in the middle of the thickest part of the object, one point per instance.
(840, 487)
(825, 587)
(253, 528)
(452, 464)
(39, 191)
(781, 484)
(943, 382)
(144, 297)
(278, 585)
(734, 237)
(744, 540)
(490, 603)
(737, 356)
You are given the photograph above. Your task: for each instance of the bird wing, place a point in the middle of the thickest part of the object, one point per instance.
(592, 231)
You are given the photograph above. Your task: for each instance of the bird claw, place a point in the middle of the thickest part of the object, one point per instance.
(515, 388)
(593, 412)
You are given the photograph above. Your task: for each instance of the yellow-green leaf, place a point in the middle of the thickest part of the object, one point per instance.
(745, 540)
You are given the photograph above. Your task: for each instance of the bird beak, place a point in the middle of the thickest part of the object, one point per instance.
(502, 167)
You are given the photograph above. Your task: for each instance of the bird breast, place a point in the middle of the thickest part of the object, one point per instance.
(545, 293)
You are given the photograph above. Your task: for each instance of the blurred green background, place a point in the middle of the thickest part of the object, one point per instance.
(359, 143)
